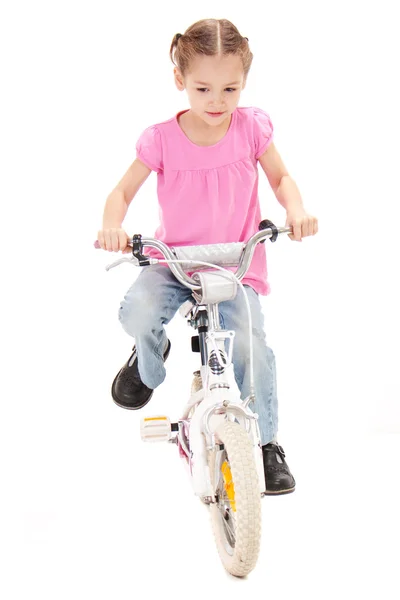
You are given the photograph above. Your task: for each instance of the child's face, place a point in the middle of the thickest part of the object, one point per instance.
(213, 85)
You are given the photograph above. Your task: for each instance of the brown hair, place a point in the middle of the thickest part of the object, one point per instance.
(209, 37)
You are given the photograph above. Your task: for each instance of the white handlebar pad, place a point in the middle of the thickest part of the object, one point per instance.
(224, 255)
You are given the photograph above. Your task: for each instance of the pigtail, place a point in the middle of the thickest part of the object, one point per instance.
(174, 46)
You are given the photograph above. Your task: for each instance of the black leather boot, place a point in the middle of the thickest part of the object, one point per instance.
(278, 478)
(128, 390)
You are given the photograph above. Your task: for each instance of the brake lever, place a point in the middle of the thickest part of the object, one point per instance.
(130, 259)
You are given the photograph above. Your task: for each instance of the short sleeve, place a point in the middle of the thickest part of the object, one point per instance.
(263, 131)
(149, 149)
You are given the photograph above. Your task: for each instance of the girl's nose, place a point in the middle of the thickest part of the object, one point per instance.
(217, 100)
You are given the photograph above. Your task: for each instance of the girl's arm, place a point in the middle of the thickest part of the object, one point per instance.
(287, 194)
(112, 237)
(122, 195)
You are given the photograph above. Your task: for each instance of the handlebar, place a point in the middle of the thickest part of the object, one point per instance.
(229, 254)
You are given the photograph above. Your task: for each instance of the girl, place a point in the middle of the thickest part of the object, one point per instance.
(206, 163)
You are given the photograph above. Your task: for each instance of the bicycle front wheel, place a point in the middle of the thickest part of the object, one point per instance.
(236, 514)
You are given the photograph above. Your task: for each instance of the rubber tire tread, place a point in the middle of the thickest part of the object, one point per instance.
(239, 451)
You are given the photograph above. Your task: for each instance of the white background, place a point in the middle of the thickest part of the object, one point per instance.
(88, 510)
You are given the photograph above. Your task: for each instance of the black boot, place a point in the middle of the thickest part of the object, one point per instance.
(278, 478)
(128, 390)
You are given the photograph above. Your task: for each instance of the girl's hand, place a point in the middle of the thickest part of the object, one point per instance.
(303, 224)
(114, 240)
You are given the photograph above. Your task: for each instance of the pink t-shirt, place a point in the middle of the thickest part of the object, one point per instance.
(209, 194)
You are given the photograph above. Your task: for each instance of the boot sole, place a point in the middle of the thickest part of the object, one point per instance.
(280, 492)
(125, 405)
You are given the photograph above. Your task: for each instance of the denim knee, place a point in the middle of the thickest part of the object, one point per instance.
(242, 341)
(136, 316)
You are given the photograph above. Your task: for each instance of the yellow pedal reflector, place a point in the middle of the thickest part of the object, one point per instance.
(228, 484)
(155, 418)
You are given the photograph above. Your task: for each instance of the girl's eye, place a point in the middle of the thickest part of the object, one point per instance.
(206, 90)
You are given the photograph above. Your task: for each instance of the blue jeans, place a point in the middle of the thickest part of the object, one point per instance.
(152, 301)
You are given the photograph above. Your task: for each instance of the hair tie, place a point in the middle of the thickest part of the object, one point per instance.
(177, 36)
(246, 38)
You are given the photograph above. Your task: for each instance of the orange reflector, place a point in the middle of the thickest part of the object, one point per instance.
(228, 484)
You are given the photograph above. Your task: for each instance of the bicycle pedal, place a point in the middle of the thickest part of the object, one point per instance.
(156, 429)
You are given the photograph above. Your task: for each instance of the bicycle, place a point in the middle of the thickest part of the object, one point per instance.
(218, 435)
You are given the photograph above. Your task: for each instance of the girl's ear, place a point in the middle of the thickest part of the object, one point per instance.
(180, 84)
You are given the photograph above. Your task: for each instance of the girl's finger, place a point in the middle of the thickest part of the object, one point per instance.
(297, 230)
(100, 239)
(289, 224)
(115, 240)
(107, 240)
(123, 240)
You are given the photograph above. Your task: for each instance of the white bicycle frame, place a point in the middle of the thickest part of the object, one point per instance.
(216, 400)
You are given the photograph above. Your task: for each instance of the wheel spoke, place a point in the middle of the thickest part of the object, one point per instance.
(228, 524)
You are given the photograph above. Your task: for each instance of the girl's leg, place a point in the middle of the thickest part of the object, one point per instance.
(149, 304)
(278, 478)
(233, 315)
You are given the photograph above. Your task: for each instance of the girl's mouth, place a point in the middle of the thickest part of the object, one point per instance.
(215, 114)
